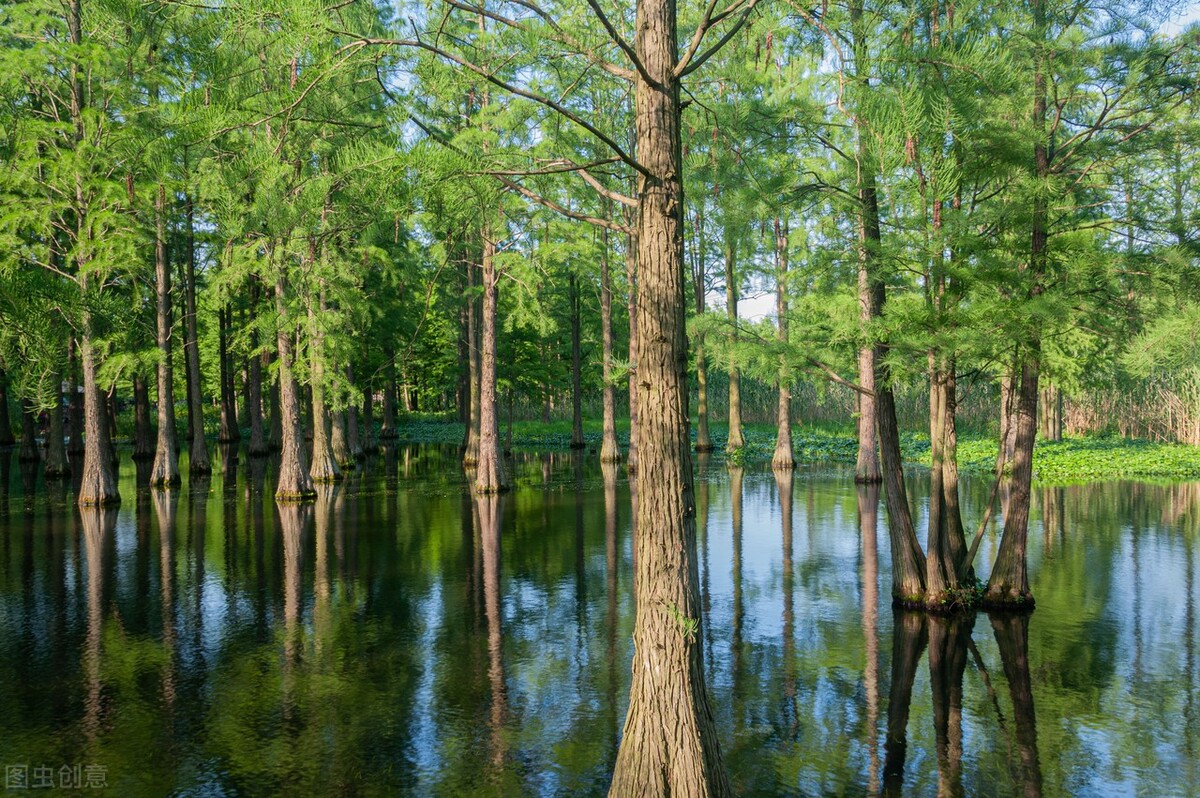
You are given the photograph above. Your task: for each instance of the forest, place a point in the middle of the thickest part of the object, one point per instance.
(311, 228)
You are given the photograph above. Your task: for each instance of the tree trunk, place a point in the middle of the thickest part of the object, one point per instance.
(75, 409)
(670, 744)
(951, 504)
(295, 484)
(576, 367)
(258, 446)
(275, 439)
(165, 471)
(610, 451)
(29, 452)
(56, 466)
(491, 475)
(324, 467)
(353, 437)
(699, 272)
(1009, 582)
(736, 440)
(783, 437)
(99, 484)
(6, 431)
(143, 429)
(229, 430)
(370, 441)
(198, 461)
(866, 468)
(471, 441)
(388, 431)
(940, 569)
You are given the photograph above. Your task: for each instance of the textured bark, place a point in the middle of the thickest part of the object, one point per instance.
(6, 431)
(339, 440)
(908, 641)
(1012, 638)
(951, 503)
(940, 569)
(670, 744)
(783, 457)
(1008, 585)
(610, 451)
(295, 484)
(471, 442)
(324, 466)
(75, 410)
(736, 439)
(29, 452)
(99, 484)
(866, 468)
(56, 466)
(143, 428)
(491, 475)
(165, 470)
(198, 461)
(576, 366)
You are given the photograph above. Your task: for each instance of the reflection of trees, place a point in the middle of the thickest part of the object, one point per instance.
(949, 638)
(1012, 637)
(868, 518)
(166, 503)
(908, 640)
(489, 507)
(783, 482)
(610, 471)
(98, 524)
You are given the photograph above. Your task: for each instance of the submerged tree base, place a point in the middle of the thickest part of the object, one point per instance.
(963, 598)
(295, 496)
(1007, 601)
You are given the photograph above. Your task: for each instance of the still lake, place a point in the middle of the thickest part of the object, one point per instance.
(402, 637)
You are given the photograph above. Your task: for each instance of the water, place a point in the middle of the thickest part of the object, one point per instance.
(401, 638)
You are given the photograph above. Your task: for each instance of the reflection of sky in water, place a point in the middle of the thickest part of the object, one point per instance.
(392, 690)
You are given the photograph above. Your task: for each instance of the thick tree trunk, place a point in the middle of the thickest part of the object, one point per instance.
(56, 466)
(339, 441)
(783, 437)
(29, 451)
(951, 504)
(165, 471)
(610, 451)
(99, 484)
(471, 441)
(908, 641)
(198, 461)
(866, 468)
(670, 744)
(940, 569)
(295, 484)
(143, 428)
(6, 431)
(369, 442)
(576, 367)
(491, 475)
(736, 440)
(324, 467)
(1008, 585)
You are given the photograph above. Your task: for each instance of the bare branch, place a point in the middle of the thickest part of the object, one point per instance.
(554, 206)
(686, 68)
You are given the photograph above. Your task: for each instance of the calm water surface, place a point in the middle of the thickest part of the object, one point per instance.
(403, 637)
